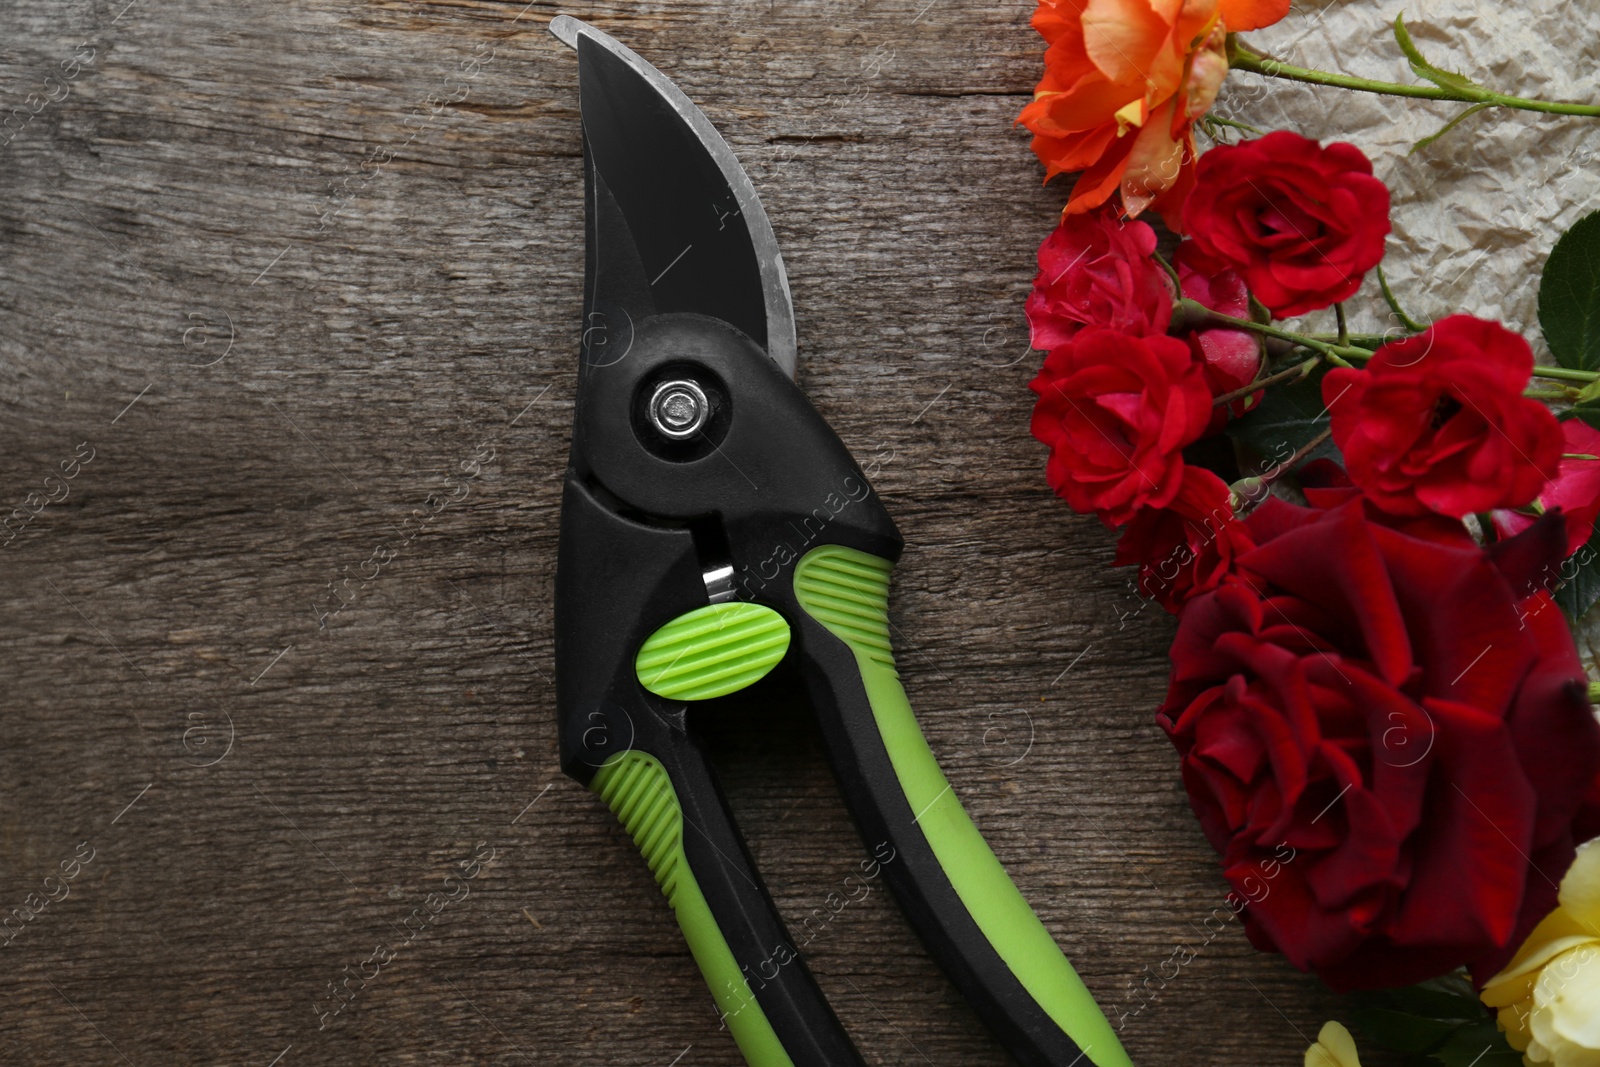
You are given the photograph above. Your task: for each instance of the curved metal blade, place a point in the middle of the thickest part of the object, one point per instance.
(663, 178)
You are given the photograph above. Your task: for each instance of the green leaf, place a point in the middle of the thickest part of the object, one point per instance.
(1449, 996)
(1444, 79)
(1400, 1032)
(1587, 410)
(1479, 1045)
(1438, 1023)
(1447, 127)
(1589, 393)
(1286, 417)
(1569, 296)
(1580, 586)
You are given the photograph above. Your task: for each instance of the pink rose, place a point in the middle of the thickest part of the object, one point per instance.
(1575, 490)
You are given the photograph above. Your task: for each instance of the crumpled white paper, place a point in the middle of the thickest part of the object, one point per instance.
(1476, 212)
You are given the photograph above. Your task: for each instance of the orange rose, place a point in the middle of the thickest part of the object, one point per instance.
(1124, 81)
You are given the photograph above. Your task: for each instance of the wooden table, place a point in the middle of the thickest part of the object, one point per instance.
(279, 277)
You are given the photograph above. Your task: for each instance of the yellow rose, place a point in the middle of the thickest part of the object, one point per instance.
(1334, 1048)
(1549, 996)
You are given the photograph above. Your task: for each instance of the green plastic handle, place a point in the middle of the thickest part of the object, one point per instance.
(639, 792)
(848, 593)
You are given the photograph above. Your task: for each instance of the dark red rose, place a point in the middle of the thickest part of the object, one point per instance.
(1322, 473)
(1586, 827)
(1575, 490)
(1325, 486)
(1386, 741)
(1302, 223)
(1437, 422)
(1097, 270)
(1232, 358)
(1116, 411)
(1187, 547)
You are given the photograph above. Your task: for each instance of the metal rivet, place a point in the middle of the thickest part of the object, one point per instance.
(679, 409)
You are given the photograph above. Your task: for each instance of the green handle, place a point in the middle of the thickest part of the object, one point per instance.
(639, 792)
(848, 593)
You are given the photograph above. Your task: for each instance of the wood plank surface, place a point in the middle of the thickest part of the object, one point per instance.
(275, 275)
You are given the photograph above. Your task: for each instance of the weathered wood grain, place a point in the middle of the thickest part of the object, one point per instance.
(280, 306)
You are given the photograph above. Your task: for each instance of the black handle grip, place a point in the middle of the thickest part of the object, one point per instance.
(951, 887)
(668, 798)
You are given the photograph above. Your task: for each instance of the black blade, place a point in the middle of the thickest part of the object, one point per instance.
(674, 223)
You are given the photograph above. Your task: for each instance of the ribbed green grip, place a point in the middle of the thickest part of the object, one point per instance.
(712, 651)
(848, 592)
(639, 793)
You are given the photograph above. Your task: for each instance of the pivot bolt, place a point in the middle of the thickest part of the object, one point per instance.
(679, 409)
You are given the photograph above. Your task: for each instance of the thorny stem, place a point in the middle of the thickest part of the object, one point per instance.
(1334, 352)
(1299, 370)
(1232, 123)
(1339, 353)
(1371, 341)
(1241, 58)
(1394, 304)
(1300, 453)
(1172, 273)
(1566, 374)
(1253, 490)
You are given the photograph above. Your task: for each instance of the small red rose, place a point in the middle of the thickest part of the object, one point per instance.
(1301, 222)
(1387, 740)
(1116, 411)
(1187, 547)
(1097, 270)
(1438, 423)
(1575, 490)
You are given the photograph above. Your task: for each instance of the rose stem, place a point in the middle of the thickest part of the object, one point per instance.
(1594, 692)
(1372, 341)
(1394, 304)
(1172, 273)
(1299, 370)
(1344, 324)
(1564, 374)
(1218, 120)
(1333, 352)
(1253, 485)
(1337, 353)
(1300, 453)
(1241, 58)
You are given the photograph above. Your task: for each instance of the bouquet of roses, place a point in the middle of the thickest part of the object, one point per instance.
(1376, 545)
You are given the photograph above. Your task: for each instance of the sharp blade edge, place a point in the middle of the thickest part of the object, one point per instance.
(618, 122)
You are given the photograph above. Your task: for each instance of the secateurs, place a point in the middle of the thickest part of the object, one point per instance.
(713, 527)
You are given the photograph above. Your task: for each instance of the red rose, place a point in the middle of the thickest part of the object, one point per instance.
(1097, 270)
(1116, 412)
(1232, 358)
(1188, 547)
(1301, 222)
(1386, 741)
(1586, 827)
(1438, 422)
(1575, 490)
(1325, 486)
